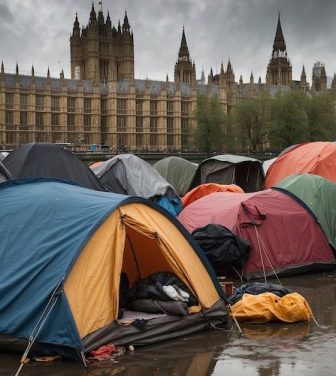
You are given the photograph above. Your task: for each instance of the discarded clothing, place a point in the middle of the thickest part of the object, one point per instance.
(103, 352)
(160, 306)
(175, 293)
(267, 306)
(152, 288)
(256, 288)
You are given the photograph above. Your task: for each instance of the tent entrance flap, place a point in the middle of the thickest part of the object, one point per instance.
(147, 253)
(160, 246)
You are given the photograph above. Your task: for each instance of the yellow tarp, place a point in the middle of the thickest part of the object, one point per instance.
(269, 307)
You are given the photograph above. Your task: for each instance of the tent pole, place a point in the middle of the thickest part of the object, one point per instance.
(41, 321)
(235, 321)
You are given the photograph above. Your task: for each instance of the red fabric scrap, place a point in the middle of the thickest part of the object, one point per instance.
(104, 352)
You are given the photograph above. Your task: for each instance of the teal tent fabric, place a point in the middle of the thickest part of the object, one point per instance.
(43, 229)
(319, 195)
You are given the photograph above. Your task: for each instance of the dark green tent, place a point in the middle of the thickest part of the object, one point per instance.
(319, 195)
(178, 171)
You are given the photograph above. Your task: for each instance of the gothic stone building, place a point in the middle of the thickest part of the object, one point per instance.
(104, 104)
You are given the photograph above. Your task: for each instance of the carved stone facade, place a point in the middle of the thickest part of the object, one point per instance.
(103, 104)
(100, 51)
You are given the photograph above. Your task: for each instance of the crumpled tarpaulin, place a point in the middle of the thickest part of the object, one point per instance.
(269, 307)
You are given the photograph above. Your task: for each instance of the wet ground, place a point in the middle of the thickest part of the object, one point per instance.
(262, 350)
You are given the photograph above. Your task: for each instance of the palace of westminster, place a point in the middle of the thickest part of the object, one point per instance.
(104, 104)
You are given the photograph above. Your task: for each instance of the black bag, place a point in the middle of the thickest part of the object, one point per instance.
(222, 246)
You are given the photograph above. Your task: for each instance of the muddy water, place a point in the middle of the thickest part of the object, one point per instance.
(262, 350)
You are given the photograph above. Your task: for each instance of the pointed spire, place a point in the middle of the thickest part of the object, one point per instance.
(303, 74)
(93, 14)
(167, 78)
(17, 68)
(126, 25)
(62, 75)
(241, 80)
(108, 20)
(222, 68)
(2, 67)
(229, 66)
(119, 27)
(211, 72)
(251, 78)
(76, 29)
(183, 54)
(279, 40)
(259, 80)
(48, 73)
(32, 71)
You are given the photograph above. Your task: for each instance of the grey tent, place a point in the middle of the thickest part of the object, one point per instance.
(4, 173)
(268, 163)
(47, 160)
(3, 155)
(245, 172)
(179, 172)
(131, 175)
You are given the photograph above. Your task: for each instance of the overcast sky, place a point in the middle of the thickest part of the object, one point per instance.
(37, 32)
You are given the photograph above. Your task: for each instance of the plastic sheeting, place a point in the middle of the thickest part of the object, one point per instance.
(269, 307)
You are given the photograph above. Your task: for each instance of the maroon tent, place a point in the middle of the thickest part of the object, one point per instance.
(284, 237)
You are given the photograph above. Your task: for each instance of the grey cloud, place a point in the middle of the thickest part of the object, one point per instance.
(216, 30)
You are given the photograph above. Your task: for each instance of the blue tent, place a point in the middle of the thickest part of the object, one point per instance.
(48, 226)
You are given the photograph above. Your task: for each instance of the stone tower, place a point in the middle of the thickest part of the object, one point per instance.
(99, 51)
(319, 77)
(279, 69)
(303, 81)
(185, 70)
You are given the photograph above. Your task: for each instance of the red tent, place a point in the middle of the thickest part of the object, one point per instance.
(284, 237)
(318, 158)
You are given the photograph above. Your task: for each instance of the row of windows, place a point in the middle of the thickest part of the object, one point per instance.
(71, 104)
(40, 119)
(40, 102)
(87, 119)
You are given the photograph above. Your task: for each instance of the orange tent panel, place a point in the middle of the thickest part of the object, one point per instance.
(318, 158)
(206, 189)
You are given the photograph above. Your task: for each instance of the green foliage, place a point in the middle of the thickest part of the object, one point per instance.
(321, 113)
(211, 125)
(252, 122)
(264, 122)
(298, 117)
(289, 124)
